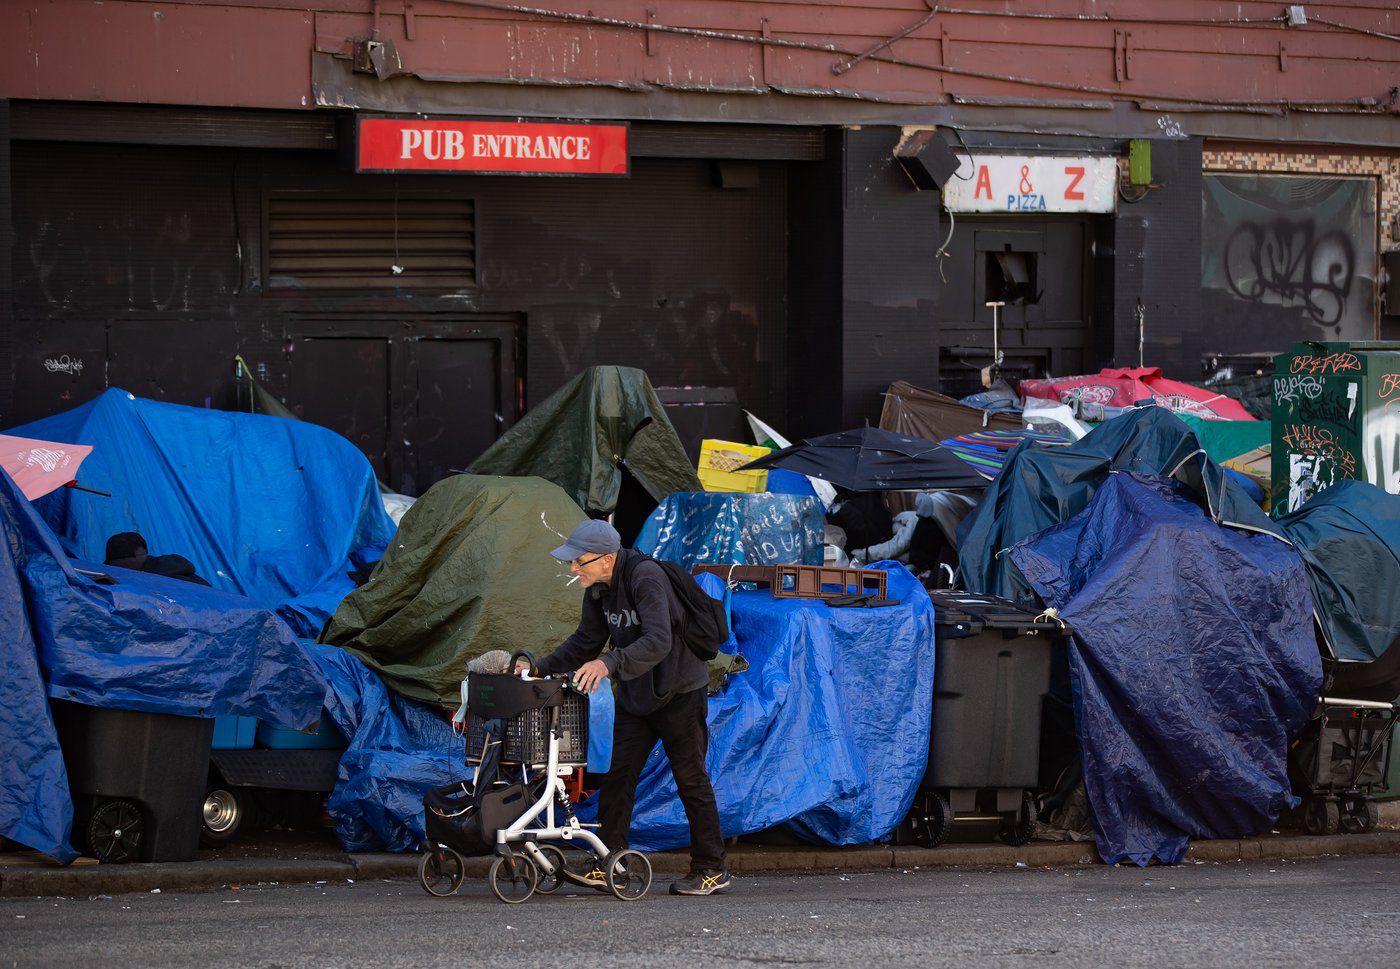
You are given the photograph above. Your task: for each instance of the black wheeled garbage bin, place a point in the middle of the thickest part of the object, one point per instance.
(137, 781)
(991, 676)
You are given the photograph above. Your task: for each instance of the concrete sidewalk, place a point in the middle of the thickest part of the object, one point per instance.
(22, 876)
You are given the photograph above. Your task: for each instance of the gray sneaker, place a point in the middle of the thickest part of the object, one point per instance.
(706, 881)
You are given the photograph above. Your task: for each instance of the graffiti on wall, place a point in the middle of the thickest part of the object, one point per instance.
(1287, 258)
(1381, 438)
(1337, 418)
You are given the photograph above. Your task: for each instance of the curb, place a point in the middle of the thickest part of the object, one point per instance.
(31, 881)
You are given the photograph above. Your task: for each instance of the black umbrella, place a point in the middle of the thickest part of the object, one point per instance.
(872, 459)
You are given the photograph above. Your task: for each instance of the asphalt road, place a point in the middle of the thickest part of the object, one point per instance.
(1335, 911)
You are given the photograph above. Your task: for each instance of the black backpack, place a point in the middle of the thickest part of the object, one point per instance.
(706, 627)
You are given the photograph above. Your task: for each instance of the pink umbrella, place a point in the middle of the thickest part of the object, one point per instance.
(1124, 386)
(39, 467)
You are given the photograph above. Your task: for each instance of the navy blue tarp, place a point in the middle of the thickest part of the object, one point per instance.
(145, 643)
(275, 510)
(35, 809)
(1349, 536)
(709, 528)
(1045, 484)
(1193, 660)
(828, 729)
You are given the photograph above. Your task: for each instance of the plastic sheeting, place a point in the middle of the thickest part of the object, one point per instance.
(583, 434)
(1125, 386)
(1192, 662)
(1044, 485)
(468, 572)
(35, 809)
(828, 729)
(397, 749)
(275, 510)
(709, 528)
(1349, 537)
(144, 643)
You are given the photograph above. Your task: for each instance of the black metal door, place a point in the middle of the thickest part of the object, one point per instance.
(420, 399)
(1041, 270)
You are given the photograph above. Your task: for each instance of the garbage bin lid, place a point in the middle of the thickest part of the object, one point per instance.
(975, 612)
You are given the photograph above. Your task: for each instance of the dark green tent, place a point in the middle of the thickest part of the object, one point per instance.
(582, 437)
(468, 571)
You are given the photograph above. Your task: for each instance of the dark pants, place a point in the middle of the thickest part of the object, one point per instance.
(680, 726)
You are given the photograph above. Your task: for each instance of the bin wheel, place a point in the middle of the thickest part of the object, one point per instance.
(513, 879)
(1321, 815)
(225, 812)
(628, 874)
(441, 870)
(549, 884)
(1358, 814)
(115, 831)
(932, 819)
(1021, 830)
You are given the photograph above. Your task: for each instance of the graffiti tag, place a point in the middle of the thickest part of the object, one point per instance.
(1321, 441)
(1290, 390)
(64, 364)
(1170, 127)
(1390, 385)
(1288, 261)
(1332, 363)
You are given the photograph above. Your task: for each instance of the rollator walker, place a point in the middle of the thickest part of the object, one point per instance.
(525, 734)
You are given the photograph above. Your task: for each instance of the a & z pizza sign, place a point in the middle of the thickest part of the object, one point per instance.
(1033, 183)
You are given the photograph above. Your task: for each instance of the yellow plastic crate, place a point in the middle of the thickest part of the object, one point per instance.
(718, 461)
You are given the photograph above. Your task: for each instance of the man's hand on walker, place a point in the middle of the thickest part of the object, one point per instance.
(589, 675)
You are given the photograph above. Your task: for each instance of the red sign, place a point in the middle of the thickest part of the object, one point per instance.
(490, 147)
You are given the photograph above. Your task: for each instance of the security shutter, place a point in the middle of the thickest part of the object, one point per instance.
(334, 242)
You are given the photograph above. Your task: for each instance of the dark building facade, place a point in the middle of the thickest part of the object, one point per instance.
(784, 230)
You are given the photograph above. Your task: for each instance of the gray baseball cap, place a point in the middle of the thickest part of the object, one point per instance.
(593, 536)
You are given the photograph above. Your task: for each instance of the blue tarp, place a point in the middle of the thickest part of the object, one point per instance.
(1349, 537)
(397, 749)
(1044, 484)
(271, 509)
(716, 528)
(828, 729)
(1192, 662)
(804, 735)
(146, 643)
(35, 809)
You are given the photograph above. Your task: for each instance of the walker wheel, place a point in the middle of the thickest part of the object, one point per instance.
(441, 871)
(513, 879)
(1321, 815)
(549, 884)
(1020, 831)
(628, 874)
(1358, 814)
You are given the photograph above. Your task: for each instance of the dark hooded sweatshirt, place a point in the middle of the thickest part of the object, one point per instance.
(638, 612)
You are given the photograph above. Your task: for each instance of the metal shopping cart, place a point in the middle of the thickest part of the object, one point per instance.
(524, 734)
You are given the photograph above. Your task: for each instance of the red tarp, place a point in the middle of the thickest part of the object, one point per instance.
(1125, 386)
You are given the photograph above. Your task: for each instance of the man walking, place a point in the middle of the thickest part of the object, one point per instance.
(661, 690)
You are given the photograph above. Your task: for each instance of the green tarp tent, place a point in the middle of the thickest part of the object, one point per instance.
(581, 437)
(468, 571)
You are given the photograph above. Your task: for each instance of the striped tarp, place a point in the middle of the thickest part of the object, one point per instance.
(986, 451)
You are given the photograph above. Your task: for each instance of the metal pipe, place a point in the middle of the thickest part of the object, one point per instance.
(1356, 103)
(844, 66)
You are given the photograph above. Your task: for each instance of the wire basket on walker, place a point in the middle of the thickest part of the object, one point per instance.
(525, 735)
